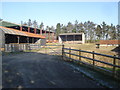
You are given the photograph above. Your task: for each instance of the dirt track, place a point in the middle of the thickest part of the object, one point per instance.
(36, 70)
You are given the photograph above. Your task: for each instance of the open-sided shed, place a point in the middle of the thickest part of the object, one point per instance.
(16, 36)
(72, 38)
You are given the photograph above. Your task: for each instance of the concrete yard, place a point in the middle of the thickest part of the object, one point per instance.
(37, 70)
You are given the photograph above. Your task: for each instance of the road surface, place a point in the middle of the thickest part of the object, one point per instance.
(37, 70)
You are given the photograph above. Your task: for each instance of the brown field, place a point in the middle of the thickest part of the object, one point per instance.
(92, 47)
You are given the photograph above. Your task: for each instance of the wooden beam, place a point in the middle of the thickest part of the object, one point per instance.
(27, 39)
(35, 30)
(32, 40)
(18, 39)
(28, 29)
(40, 31)
(20, 28)
(53, 37)
(49, 36)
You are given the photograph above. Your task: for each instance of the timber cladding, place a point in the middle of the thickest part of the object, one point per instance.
(109, 42)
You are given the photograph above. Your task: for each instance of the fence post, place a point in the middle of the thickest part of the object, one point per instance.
(93, 55)
(114, 63)
(62, 50)
(69, 53)
(80, 54)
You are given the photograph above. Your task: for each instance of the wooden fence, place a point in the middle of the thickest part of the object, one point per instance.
(53, 49)
(114, 71)
(20, 47)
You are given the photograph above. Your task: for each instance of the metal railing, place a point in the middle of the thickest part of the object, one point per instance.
(67, 52)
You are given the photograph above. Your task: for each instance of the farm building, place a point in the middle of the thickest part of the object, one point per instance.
(109, 42)
(16, 36)
(72, 38)
(49, 35)
(13, 35)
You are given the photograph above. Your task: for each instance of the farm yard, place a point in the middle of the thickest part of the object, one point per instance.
(41, 68)
(68, 45)
(37, 70)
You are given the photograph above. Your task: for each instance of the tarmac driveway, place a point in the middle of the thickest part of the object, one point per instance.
(37, 70)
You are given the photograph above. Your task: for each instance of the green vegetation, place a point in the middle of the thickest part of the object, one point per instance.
(93, 32)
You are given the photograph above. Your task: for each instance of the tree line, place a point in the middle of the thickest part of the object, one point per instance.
(35, 24)
(93, 32)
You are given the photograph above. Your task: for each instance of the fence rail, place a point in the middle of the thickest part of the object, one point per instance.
(67, 52)
(20, 47)
(93, 53)
(53, 49)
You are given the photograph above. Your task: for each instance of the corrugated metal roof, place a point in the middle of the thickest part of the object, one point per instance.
(109, 42)
(71, 34)
(21, 33)
(10, 24)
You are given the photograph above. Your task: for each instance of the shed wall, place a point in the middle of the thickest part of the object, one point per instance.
(2, 39)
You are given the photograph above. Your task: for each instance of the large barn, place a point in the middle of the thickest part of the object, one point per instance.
(72, 38)
(12, 33)
(23, 33)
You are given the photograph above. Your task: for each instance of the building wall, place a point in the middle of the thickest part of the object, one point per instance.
(2, 39)
(83, 38)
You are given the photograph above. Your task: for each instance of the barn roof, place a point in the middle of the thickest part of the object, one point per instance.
(10, 24)
(71, 34)
(21, 33)
(109, 42)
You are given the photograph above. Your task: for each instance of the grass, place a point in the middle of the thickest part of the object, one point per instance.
(92, 47)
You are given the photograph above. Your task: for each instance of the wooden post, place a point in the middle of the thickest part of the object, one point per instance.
(114, 62)
(40, 31)
(62, 50)
(18, 37)
(28, 29)
(35, 30)
(53, 37)
(70, 53)
(80, 54)
(32, 40)
(27, 39)
(93, 58)
(20, 28)
(48, 37)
